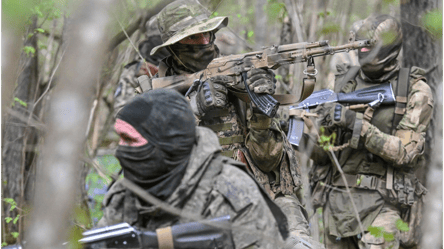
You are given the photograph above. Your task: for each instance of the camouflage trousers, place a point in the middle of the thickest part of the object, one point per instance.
(297, 221)
(386, 219)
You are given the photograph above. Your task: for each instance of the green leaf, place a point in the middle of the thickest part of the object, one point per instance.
(30, 51)
(402, 226)
(250, 34)
(15, 235)
(11, 202)
(21, 102)
(278, 77)
(16, 219)
(388, 236)
(376, 231)
(8, 219)
(330, 28)
(4, 244)
(432, 21)
(359, 180)
(39, 30)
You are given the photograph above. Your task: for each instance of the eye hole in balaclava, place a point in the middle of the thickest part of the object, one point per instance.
(157, 160)
(382, 57)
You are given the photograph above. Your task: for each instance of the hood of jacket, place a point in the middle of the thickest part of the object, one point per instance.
(207, 145)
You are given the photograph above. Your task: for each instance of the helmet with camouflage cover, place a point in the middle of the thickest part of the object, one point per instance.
(183, 18)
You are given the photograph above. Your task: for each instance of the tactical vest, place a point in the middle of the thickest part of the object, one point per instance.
(365, 170)
(361, 161)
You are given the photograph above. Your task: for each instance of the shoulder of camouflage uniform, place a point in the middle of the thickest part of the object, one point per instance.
(236, 185)
(419, 83)
(116, 189)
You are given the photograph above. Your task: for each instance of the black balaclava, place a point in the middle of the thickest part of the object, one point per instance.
(381, 62)
(165, 119)
(192, 58)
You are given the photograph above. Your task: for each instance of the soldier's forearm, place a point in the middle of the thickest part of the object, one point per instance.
(400, 149)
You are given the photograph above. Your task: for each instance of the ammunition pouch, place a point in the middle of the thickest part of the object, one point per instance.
(320, 178)
(406, 190)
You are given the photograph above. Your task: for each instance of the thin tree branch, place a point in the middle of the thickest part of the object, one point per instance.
(120, 37)
(334, 160)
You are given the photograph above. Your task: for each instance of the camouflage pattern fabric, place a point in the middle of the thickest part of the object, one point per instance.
(183, 18)
(210, 189)
(239, 130)
(379, 147)
(128, 86)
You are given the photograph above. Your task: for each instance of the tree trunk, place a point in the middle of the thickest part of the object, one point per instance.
(260, 30)
(14, 149)
(67, 121)
(419, 49)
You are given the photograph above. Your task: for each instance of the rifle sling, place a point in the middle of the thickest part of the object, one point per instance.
(402, 90)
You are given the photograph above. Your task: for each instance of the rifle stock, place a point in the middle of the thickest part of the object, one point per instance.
(370, 96)
(270, 58)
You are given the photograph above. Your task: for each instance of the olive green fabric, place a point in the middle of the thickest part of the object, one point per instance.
(183, 18)
(344, 223)
(210, 189)
(386, 219)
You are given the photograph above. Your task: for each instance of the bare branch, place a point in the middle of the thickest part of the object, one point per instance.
(120, 37)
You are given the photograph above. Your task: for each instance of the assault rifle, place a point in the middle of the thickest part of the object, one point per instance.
(270, 58)
(214, 233)
(370, 96)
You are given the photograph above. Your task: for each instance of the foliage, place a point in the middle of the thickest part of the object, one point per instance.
(275, 10)
(29, 51)
(97, 185)
(432, 21)
(326, 141)
(21, 102)
(402, 226)
(14, 220)
(379, 232)
(330, 28)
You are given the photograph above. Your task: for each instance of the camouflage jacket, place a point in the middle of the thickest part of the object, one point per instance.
(211, 187)
(128, 86)
(254, 139)
(381, 148)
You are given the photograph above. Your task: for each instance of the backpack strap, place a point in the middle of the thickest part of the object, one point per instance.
(402, 90)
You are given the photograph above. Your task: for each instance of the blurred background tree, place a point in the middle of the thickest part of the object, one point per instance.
(35, 38)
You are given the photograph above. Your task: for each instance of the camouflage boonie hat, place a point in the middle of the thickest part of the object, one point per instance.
(183, 18)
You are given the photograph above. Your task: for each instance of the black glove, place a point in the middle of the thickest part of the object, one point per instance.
(261, 81)
(212, 94)
(334, 114)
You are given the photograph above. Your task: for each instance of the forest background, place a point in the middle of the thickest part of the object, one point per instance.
(61, 62)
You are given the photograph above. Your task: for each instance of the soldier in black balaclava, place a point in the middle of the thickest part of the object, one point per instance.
(162, 151)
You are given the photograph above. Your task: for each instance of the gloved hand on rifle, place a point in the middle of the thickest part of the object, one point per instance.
(259, 80)
(212, 94)
(331, 115)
